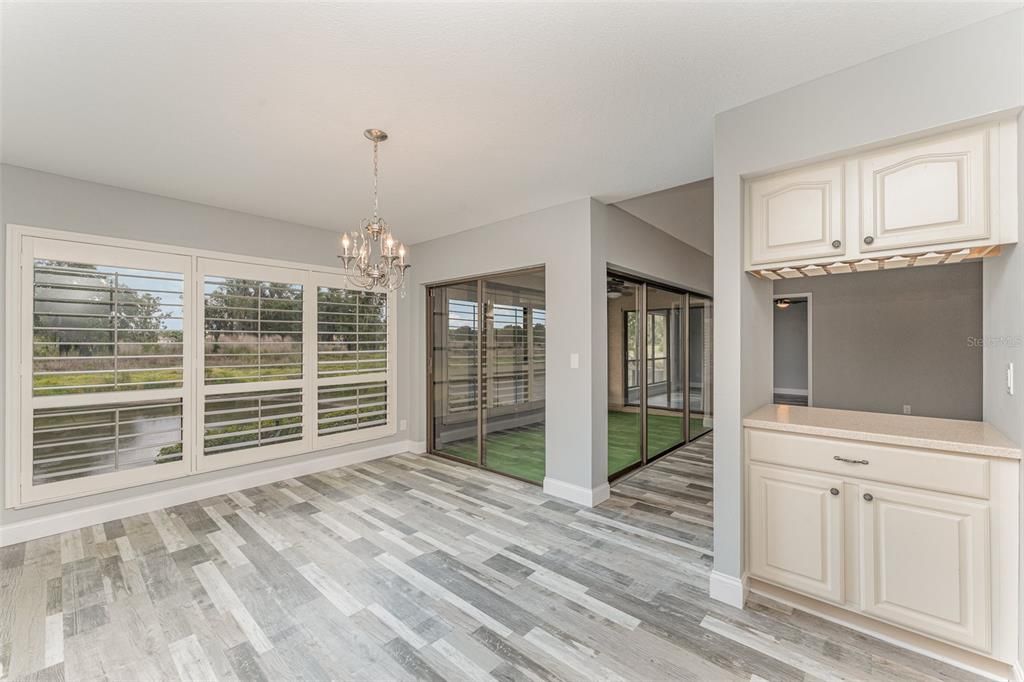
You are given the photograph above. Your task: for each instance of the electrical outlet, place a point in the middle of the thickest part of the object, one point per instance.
(402, 424)
(906, 409)
(1009, 378)
(574, 361)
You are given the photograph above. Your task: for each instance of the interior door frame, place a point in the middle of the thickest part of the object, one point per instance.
(483, 315)
(808, 296)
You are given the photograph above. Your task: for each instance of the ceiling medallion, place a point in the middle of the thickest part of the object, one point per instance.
(371, 256)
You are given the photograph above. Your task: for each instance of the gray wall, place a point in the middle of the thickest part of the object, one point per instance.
(894, 95)
(575, 242)
(883, 340)
(44, 200)
(559, 239)
(789, 343)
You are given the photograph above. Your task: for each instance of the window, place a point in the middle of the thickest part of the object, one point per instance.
(141, 362)
(353, 388)
(657, 349)
(252, 392)
(104, 335)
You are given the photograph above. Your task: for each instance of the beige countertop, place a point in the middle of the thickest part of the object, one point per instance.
(952, 435)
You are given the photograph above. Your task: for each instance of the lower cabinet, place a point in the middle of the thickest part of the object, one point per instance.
(922, 558)
(796, 530)
(924, 562)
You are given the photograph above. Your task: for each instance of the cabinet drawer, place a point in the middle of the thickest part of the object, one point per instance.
(924, 469)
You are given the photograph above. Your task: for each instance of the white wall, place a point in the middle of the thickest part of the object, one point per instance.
(45, 200)
(972, 72)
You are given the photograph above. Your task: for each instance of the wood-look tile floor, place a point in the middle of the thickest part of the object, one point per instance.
(414, 567)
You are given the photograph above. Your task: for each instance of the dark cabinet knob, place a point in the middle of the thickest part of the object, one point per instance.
(836, 243)
(868, 497)
(834, 491)
(869, 239)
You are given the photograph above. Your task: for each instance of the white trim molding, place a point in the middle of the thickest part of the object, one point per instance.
(728, 589)
(1018, 672)
(588, 497)
(187, 491)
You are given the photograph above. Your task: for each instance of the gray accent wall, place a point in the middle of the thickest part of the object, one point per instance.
(895, 95)
(52, 201)
(882, 340)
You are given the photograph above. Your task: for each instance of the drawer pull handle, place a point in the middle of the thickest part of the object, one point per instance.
(850, 461)
(868, 497)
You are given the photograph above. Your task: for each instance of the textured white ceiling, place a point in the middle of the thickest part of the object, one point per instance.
(494, 109)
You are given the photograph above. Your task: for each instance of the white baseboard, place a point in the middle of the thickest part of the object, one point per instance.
(790, 391)
(417, 447)
(89, 515)
(728, 589)
(1018, 672)
(588, 497)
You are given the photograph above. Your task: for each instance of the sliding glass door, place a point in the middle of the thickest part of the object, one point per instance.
(666, 363)
(487, 372)
(625, 374)
(700, 365)
(455, 376)
(659, 371)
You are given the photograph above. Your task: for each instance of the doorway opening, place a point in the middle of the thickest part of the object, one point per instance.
(791, 349)
(659, 370)
(485, 372)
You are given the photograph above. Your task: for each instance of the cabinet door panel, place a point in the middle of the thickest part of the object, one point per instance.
(796, 215)
(925, 193)
(925, 562)
(796, 530)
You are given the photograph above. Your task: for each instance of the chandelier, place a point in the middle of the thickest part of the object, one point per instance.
(372, 257)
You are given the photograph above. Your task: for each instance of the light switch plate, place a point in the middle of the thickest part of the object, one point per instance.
(906, 409)
(574, 360)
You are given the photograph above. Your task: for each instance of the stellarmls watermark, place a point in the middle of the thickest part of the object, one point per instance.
(1011, 341)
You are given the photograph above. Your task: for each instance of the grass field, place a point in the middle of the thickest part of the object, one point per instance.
(520, 451)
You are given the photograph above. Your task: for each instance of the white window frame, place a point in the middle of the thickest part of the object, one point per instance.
(261, 273)
(32, 248)
(21, 242)
(320, 279)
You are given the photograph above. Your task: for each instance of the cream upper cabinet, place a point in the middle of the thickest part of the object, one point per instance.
(796, 215)
(942, 193)
(926, 193)
(796, 530)
(925, 562)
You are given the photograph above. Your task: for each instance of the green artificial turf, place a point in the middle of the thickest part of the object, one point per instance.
(520, 451)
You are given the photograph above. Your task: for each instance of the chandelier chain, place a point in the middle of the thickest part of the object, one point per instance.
(376, 200)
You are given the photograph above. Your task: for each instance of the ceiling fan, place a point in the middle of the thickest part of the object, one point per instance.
(616, 287)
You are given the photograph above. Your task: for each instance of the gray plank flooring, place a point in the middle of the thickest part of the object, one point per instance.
(414, 567)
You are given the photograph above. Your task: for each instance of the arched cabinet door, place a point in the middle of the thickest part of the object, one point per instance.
(933, 192)
(796, 215)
